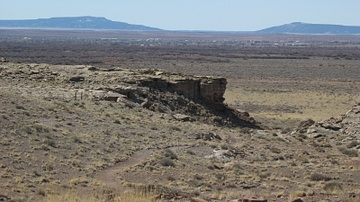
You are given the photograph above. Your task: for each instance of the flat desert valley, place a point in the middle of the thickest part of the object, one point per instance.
(178, 116)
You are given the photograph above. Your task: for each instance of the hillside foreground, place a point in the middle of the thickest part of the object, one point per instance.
(81, 129)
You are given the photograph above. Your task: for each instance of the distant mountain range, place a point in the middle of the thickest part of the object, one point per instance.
(305, 28)
(101, 23)
(86, 22)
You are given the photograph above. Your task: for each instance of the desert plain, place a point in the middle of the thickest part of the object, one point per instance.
(96, 114)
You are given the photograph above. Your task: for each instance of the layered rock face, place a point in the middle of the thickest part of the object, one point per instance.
(213, 89)
(209, 90)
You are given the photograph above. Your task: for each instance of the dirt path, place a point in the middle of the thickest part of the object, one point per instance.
(111, 175)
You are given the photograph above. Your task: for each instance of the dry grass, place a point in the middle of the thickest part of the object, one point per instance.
(51, 140)
(76, 197)
(287, 102)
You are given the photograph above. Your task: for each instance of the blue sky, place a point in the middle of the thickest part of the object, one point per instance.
(220, 15)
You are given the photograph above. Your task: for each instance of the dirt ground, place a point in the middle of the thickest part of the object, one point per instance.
(52, 142)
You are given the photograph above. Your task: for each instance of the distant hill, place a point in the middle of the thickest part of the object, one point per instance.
(304, 28)
(86, 22)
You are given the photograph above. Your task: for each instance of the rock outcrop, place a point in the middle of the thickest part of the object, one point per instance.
(195, 98)
(207, 89)
(199, 97)
(344, 130)
(347, 125)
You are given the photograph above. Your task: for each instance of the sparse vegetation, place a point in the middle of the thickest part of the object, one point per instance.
(319, 177)
(53, 141)
(333, 187)
(349, 152)
(167, 162)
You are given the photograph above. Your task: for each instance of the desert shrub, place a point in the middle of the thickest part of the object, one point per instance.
(175, 128)
(224, 146)
(50, 142)
(353, 144)
(264, 175)
(195, 183)
(170, 154)
(334, 162)
(332, 187)
(154, 128)
(41, 129)
(190, 152)
(275, 150)
(349, 152)
(171, 178)
(77, 140)
(198, 177)
(167, 162)
(28, 130)
(319, 177)
(220, 176)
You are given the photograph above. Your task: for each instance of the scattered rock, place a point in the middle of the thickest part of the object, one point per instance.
(2, 59)
(249, 185)
(159, 73)
(207, 136)
(113, 97)
(306, 123)
(77, 79)
(181, 117)
(335, 127)
(222, 155)
(146, 104)
(315, 135)
(249, 200)
(93, 68)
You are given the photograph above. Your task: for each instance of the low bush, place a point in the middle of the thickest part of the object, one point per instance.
(167, 162)
(349, 152)
(319, 177)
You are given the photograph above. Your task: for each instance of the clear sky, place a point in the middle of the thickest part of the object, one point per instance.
(219, 15)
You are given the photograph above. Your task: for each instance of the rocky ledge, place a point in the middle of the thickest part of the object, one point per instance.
(184, 97)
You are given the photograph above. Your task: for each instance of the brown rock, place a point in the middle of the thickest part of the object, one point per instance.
(181, 117)
(306, 123)
(213, 89)
(113, 97)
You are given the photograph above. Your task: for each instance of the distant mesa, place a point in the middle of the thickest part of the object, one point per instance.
(101, 23)
(305, 28)
(85, 22)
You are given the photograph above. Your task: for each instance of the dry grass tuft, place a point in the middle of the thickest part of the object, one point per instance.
(75, 197)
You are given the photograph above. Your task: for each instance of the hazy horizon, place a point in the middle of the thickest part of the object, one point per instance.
(210, 15)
